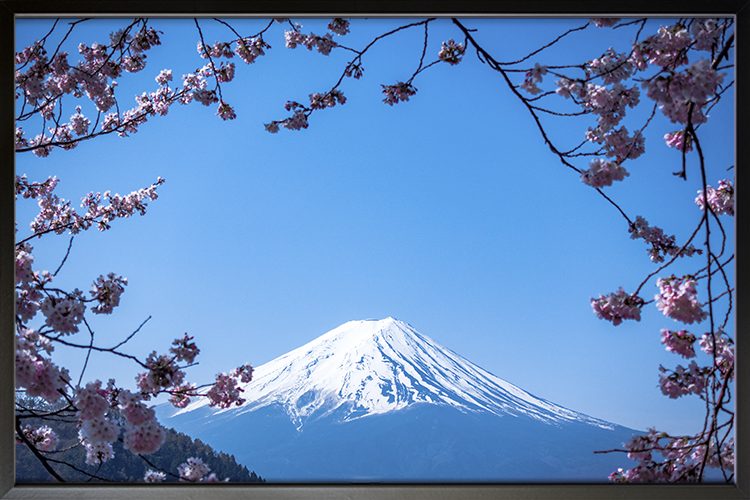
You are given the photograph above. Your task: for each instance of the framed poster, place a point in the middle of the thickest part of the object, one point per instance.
(335, 253)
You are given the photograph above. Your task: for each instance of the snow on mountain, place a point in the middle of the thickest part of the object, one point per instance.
(372, 367)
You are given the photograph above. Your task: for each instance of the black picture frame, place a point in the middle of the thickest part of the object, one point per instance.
(330, 8)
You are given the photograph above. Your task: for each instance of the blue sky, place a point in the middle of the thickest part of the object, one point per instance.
(445, 211)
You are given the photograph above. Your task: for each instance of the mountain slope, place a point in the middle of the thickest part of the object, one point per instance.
(375, 400)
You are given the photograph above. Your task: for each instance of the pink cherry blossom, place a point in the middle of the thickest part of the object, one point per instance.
(678, 140)
(79, 124)
(99, 430)
(603, 173)
(339, 26)
(640, 447)
(24, 260)
(225, 391)
(244, 373)
(611, 66)
(162, 373)
(722, 346)
(451, 52)
(152, 476)
(64, 314)
(98, 453)
(677, 93)
(683, 381)
(35, 189)
(184, 349)
(38, 375)
(145, 438)
(678, 299)
(399, 92)
(720, 199)
(180, 395)
(193, 470)
(133, 409)
(91, 401)
(250, 49)
(532, 78)
(42, 437)
(667, 48)
(661, 244)
(107, 292)
(679, 342)
(164, 77)
(226, 112)
(706, 33)
(617, 307)
(327, 100)
(324, 44)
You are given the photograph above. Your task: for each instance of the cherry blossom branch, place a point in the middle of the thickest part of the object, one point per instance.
(65, 258)
(496, 66)
(545, 46)
(42, 459)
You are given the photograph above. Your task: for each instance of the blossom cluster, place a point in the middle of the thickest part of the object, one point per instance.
(339, 26)
(720, 199)
(678, 299)
(618, 306)
(34, 189)
(107, 292)
(609, 104)
(56, 214)
(618, 143)
(679, 342)
(682, 455)
(163, 373)
(612, 67)
(42, 437)
(327, 100)
(685, 92)
(324, 44)
(533, 77)
(399, 92)
(43, 82)
(661, 244)
(603, 173)
(184, 349)
(152, 476)
(142, 433)
(451, 52)
(34, 370)
(64, 313)
(29, 283)
(250, 49)
(706, 33)
(98, 430)
(721, 347)
(194, 470)
(678, 140)
(683, 381)
(667, 48)
(226, 390)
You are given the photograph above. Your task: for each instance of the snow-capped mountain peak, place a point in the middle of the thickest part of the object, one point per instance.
(370, 367)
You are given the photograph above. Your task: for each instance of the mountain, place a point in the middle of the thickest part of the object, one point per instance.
(377, 401)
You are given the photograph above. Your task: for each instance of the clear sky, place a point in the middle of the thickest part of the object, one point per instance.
(445, 211)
